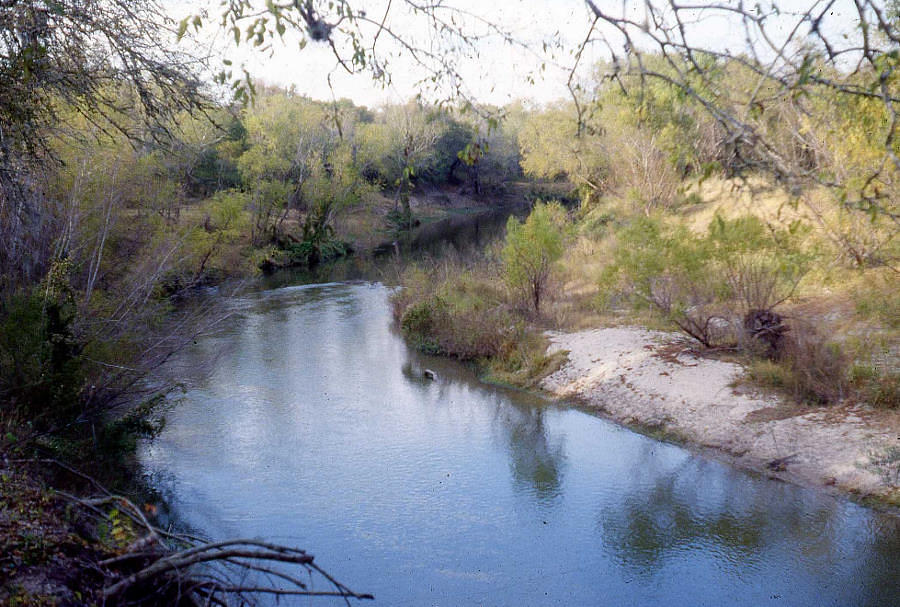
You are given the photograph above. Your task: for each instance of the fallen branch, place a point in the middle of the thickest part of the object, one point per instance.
(182, 569)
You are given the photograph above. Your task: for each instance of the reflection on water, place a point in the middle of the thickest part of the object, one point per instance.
(536, 463)
(316, 426)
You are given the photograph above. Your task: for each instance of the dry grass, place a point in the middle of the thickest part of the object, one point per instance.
(460, 308)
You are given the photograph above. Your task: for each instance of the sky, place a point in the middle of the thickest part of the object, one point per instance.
(499, 74)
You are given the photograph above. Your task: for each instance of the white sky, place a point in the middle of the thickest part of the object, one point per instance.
(498, 76)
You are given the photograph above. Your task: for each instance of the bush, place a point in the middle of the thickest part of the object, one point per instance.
(809, 368)
(669, 270)
(419, 322)
(67, 385)
(876, 298)
(879, 389)
(463, 326)
(41, 367)
(458, 310)
(762, 265)
(709, 286)
(455, 309)
(817, 369)
(527, 362)
(531, 250)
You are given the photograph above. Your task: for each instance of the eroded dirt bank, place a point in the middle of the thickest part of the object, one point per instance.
(648, 378)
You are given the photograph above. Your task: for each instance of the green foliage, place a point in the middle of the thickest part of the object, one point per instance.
(877, 298)
(761, 264)
(400, 221)
(551, 148)
(667, 269)
(458, 314)
(876, 386)
(684, 135)
(532, 249)
(44, 70)
(41, 366)
(420, 323)
(457, 309)
(116, 438)
(53, 387)
(225, 222)
(526, 364)
(409, 142)
(318, 245)
(209, 151)
(701, 283)
(46, 383)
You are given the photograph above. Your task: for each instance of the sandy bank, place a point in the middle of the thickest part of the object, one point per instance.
(647, 378)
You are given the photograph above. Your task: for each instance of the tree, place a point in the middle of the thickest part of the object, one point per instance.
(80, 263)
(794, 59)
(795, 65)
(414, 136)
(364, 43)
(106, 60)
(532, 249)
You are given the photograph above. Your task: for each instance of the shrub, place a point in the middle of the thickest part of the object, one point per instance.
(876, 298)
(419, 322)
(72, 386)
(668, 269)
(531, 250)
(703, 283)
(457, 309)
(879, 389)
(817, 369)
(225, 222)
(463, 328)
(41, 367)
(762, 265)
(809, 368)
(527, 362)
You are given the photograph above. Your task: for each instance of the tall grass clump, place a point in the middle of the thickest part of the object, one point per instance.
(462, 309)
(449, 309)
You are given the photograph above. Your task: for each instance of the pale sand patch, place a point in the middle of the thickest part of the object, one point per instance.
(636, 376)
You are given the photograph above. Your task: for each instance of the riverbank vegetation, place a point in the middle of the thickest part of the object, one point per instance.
(674, 229)
(127, 186)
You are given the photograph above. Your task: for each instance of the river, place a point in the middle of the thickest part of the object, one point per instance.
(308, 421)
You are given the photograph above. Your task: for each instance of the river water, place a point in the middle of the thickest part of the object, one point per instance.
(308, 421)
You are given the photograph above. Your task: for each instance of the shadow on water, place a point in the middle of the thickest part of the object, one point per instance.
(463, 232)
(536, 460)
(665, 514)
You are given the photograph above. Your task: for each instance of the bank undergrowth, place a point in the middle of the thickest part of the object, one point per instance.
(758, 291)
(460, 307)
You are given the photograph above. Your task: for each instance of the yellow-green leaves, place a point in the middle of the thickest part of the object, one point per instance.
(531, 251)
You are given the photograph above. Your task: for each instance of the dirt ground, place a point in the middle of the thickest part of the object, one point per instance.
(651, 380)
